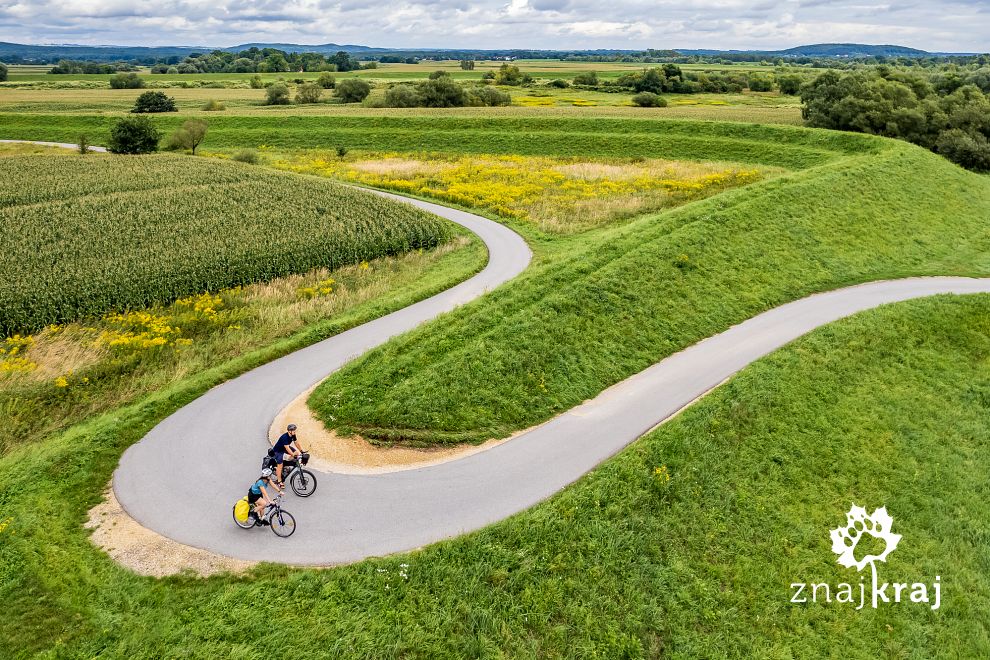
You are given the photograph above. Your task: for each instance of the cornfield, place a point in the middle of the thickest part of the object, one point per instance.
(87, 235)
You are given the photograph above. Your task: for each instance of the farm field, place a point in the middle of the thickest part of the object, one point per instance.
(651, 229)
(109, 346)
(171, 236)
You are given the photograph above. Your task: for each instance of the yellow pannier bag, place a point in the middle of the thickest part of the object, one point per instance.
(242, 509)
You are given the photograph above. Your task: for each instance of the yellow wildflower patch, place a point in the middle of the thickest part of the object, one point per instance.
(559, 194)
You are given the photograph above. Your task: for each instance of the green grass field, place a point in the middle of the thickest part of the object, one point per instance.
(883, 406)
(890, 407)
(620, 301)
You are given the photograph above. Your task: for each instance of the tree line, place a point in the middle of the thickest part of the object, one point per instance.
(947, 112)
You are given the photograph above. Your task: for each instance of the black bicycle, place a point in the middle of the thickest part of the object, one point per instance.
(281, 521)
(301, 480)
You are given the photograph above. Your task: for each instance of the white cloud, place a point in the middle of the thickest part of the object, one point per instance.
(943, 25)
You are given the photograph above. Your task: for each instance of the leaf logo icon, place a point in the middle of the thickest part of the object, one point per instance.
(859, 522)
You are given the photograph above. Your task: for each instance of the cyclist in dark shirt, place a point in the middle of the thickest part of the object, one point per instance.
(287, 443)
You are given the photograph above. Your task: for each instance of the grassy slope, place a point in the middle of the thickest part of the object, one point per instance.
(875, 410)
(573, 327)
(569, 136)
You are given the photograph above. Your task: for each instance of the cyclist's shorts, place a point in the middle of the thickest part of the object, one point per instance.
(252, 498)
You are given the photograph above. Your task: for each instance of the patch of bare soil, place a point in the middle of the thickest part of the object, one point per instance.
(148, 553)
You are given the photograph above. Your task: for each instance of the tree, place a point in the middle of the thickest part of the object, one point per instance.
(970, 150)
(126, 81)
(438, 74)
(190, 136)
(133, 135)
(649, 100)
(277, 94)
(345, 62)
(402, 96)
(154, 102)
(3, 72)
(651, 80)
(467, 65)
(509, 74)
(256, 82)
(326, 80)
(309, 93)
(352, 90)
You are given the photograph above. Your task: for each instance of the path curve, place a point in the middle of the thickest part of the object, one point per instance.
(357, 516)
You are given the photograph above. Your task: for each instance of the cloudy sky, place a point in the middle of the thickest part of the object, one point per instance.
(938, 25)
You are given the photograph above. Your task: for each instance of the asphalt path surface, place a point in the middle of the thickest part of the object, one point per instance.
(217, 441)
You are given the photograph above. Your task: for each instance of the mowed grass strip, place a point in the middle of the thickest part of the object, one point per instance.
(626, 299)
(778, 146)
(888, 408)
(84, 235)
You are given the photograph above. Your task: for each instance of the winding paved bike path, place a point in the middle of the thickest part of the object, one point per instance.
(217, 441)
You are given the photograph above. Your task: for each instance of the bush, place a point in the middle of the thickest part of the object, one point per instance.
(441, 92)
(352, 90)
(560, 83)
(83, 144)
(487, 96)
(326, 80)
(172, 70)
(154, 102)
(133, 135)
(3, 72)
(126, 81)
(189, 136)
(760, 83)
(309, 93)
(341, 151)
(277, 94)
(256, 82)
(968, 149)
(790, 84)
(249, 156)
(436, 75)
(213, 106)
(402, 96)
(589, 78)
(649, 100)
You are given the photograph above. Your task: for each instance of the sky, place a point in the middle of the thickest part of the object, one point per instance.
(935, 25)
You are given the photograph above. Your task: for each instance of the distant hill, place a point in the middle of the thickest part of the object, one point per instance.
(27, 53)
(323, 49)
(824, 50)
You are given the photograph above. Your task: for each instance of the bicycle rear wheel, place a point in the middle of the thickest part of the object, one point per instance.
(283, 524)
(303, 483)
(247, 524)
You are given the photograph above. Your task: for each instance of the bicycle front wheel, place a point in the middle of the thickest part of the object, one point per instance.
(283, 524)
(303, 483)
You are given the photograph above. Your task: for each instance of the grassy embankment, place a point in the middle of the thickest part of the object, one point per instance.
(596, 137)
(623, 562)
(890, 407)
(629, 297)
